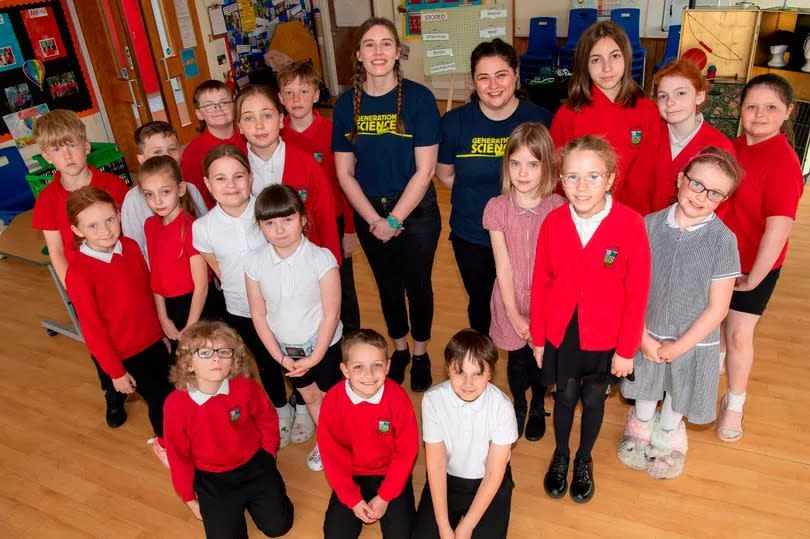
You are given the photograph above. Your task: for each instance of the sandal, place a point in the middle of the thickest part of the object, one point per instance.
(729, 424)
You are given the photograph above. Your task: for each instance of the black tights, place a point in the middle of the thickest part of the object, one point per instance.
(593, 410)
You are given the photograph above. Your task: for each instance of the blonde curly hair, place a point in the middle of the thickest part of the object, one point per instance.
(201, 335)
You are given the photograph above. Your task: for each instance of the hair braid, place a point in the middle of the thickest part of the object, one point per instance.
(400, 122)
(357, 81)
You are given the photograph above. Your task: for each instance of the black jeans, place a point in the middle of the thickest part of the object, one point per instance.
(150, 369)
(461, 492)
(476, 263)
(269, 370)
(257, 487)
(403, 265)
(349, 308)
(340, 521)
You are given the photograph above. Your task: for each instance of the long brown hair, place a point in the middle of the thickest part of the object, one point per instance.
(536, 138)
(359, 76)
(253, 90)
(81, 199)
(225, 150)
(579, 88)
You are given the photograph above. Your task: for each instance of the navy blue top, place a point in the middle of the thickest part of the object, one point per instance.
(475, 145)
(385, 158)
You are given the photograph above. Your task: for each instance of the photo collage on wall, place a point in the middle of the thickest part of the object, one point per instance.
(39, 66)
(251, 24)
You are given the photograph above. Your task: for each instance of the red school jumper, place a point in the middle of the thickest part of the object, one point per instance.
(317, 141)
(607, 281)
(191, 164)
(219, 435)
(367, 439)
(772, 187)
(302, 173)
(631, 131)
(664, 188)
(170, 249)
(115, 306)
(50, 208)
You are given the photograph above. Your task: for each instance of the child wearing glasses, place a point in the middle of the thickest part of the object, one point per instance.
(213, 104)
(694, 267)
(589, 295)
(222, 436)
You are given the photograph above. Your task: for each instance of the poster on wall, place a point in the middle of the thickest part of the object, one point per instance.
(251, 24)
(412, 18)
(21, 124)
(40, 68)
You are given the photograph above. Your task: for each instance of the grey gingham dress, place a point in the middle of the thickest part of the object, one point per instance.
(684, 264)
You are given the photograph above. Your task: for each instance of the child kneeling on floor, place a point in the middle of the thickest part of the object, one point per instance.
(222, 436)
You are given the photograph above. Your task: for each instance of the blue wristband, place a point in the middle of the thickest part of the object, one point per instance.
(393, 222)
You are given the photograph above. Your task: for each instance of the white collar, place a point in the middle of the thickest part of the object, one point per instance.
(357, 399)
(683, 141)
(201, 398)
(458, 402)
(598, 217)
(674, 224)
(275, 259)
(101, 255)
(256, 161)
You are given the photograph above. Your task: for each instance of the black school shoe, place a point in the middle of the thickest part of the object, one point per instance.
(116, 413)
(536, 426)
(520, 415)
(399, 361)
(556, 481)
(582, 487)
(420, 373)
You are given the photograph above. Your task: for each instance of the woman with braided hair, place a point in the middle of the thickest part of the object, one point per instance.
(386, 139)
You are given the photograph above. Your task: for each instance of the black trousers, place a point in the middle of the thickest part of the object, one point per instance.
(349, 307)
(270, 371)
(460, 494)
(150, 369)
(257, 487)
(103, 378)
(523, 373)
(404, 265)
(476, 263)
(341, 523)
(178, 307)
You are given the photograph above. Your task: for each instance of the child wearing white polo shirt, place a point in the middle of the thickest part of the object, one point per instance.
(293, 288)
(468, 426)
(224, 237)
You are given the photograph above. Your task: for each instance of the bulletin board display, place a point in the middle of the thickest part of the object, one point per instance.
(412, 19)
(40, 65)
(450, 35)
(251, 24)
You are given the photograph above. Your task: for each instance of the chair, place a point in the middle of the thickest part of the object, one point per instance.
(578, 20)
(542, 48)
(671, 51)
(628, 19)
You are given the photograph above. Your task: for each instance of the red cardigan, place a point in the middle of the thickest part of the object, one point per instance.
(631, 131)
(115, 306)
(607, 281)
(367, 439)
(663, 186)
(317, 140)
(302, 173)
(220, 435)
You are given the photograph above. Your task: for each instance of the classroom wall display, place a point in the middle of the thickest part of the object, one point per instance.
(604, 7)
(450, 35)
(40, 66)
(412, 18)
(251, 24)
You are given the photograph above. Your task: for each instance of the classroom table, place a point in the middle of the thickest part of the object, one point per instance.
(22, 242)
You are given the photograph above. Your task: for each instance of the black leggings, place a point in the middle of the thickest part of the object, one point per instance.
(523, 373)
(593, 411)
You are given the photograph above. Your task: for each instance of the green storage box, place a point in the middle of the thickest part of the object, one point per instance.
(104, 156)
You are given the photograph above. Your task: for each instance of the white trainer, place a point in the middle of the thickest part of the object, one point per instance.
(284, 430)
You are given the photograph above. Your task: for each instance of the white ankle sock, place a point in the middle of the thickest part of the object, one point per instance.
(735, 402)
(645, 410)
(670, 419)
(285, 412)
(722, 360)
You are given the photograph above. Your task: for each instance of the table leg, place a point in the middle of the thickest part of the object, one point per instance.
(57, 327)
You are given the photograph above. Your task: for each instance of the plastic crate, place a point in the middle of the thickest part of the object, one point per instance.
(105, 156)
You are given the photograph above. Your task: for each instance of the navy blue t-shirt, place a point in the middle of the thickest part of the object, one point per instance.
(475, 145)
(385, 158)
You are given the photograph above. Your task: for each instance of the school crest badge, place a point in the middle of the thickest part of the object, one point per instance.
(318, 157)
(383, 425)
(303, 194)
(635, 137)
(235, 414)
(610, 256)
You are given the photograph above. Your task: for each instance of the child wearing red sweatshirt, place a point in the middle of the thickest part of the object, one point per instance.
(213, 104)
(108, 282)
(588, 301)
(222, 436)
(368, 440)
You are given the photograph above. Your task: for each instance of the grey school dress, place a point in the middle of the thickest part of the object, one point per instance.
(684, 263)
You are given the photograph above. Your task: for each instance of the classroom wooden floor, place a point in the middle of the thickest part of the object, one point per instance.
(64, 473)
